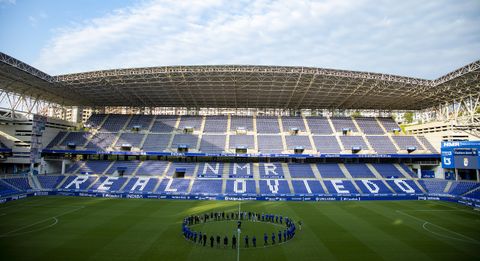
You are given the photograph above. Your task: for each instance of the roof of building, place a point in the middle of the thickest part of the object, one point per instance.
(239, 86)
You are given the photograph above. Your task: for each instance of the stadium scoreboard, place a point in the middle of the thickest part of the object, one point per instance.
(460, 155)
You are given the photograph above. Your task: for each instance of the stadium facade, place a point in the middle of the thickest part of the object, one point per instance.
(236, 132)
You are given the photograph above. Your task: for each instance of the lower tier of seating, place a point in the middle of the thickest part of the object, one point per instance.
(247, 186)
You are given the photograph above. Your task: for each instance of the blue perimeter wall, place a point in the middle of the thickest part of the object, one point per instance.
(461, 200)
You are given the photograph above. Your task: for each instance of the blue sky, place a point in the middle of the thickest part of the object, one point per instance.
(423, 39)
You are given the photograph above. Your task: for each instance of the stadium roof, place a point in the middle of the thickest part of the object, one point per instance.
(239, 86)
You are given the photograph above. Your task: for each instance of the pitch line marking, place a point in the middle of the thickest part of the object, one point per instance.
(9, 234)
(425, 222)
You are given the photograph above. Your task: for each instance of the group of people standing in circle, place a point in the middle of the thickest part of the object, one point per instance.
(203, 239)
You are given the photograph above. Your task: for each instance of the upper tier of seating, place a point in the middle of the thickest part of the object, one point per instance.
(215, 124)
(273, 134)
(369, 125)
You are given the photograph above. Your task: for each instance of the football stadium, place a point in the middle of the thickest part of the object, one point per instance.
(238, 162)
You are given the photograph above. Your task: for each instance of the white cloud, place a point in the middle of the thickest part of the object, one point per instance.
(8, 2)
(401, 38)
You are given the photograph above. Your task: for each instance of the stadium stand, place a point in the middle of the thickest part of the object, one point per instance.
(240, 170)
(101, 141)
(387, 170)
(408, 170)
(359, 170)
(6, 190)
(242, 141)
(18, 183)
(271, 171)
(164, 124)
(210, 169)
(298, 141)
(133, 139)
(404, 142)
(427, 144)
(173, 186)
(188, 168)
(95, 120)
(434, 186)
(270, 144)
(330, 170)
(239, 122)
(290, 123)
(50, 182)
(389, 124)
(126, 167)
(78, 182)
(55, 140)
(141, 185)
(341, 123)
(300, 171)
(93, 167)
(141, 121)
(268, 125)
(212, 143)
(152, 167)
(307, 187)
(326, 144)
(77, 138)
(461, 187)
(189, 140)
(319, 125)
(474, 194)
(336, 186)
(353, 141)
(215, 124)
(274, 187)
(110, 183)
(156, 142)
(114, 122)
(207, 187)
(241, 186)
(190, 122)
(382, 144)
(369, 125)
(403, 186)
(369, 186)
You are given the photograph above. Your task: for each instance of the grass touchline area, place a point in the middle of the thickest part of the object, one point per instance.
(76, 228)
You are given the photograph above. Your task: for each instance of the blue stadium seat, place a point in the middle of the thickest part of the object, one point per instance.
(207, 186)
(372, 186)
(174, 186)
(141, 184)
(330, 170)
(210, 170)
(403, 186)
(240, 187)
(300, 171)
(307, 187)
(152, 167)
(271, 171)
(274, 187)
(359, 170)
(240, 170)
(50, 182)
(387, 170)
(81, 182)
(338, 186)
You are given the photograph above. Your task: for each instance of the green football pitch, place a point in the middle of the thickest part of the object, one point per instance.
(74, 228)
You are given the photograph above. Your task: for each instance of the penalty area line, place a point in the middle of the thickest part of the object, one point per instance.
(12, 232)
(425, 223)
